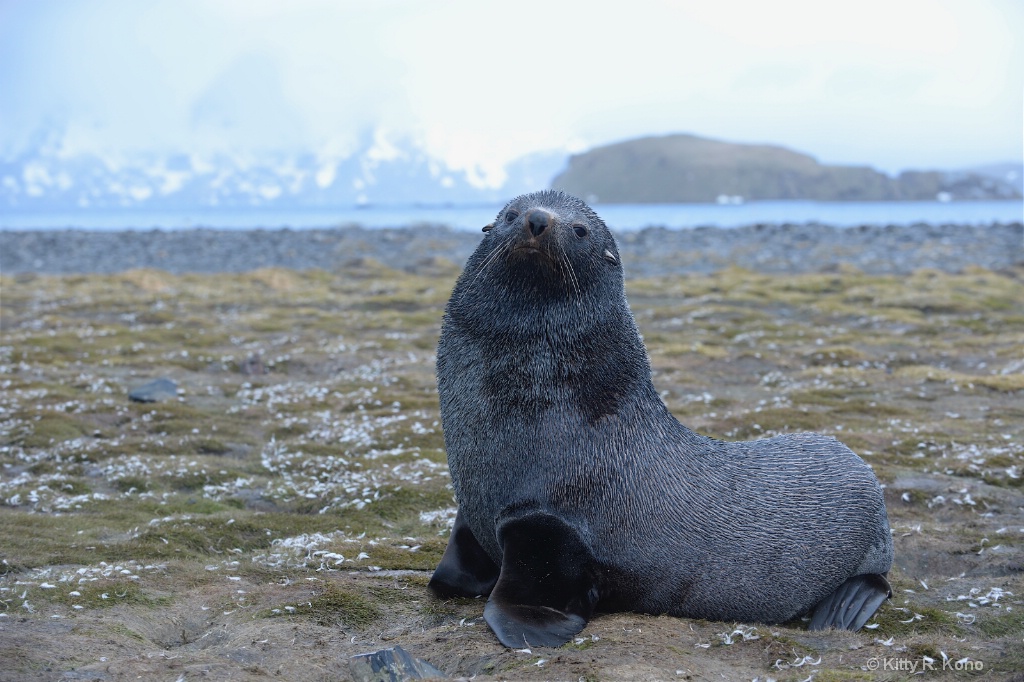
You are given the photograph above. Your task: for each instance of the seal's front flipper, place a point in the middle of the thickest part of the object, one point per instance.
(546, 591)
(465, 569)
(852, 604)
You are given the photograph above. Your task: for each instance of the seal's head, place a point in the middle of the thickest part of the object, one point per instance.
(548, 245)
(539, 316)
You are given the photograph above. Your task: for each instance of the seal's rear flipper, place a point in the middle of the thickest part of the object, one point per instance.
(546, 591)
(852, 604)
(465, 569)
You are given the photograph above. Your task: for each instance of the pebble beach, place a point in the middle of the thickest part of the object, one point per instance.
(650, 252)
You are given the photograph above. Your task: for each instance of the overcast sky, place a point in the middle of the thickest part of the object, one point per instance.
(890, 83)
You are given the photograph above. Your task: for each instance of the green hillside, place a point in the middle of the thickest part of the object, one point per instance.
(687, 168)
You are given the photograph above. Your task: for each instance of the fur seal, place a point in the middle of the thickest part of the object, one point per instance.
(579, 491)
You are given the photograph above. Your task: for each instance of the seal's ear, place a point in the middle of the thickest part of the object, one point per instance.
(610, 257)
(488, 227)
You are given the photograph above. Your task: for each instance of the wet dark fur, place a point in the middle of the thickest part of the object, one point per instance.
(553, 427)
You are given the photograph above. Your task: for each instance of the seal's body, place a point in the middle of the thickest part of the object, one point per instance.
(578, 490)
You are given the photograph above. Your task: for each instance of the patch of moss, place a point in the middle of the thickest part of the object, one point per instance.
(834, 355)
(52, 428)
(180, 504)
(32, 540)
(74, 486)
(780, 419)
(870, 408)
(418, 580)
(216, 533)
(407, 502)
(1002, 625)
(138, 483)
(890, 621)
(336, 606)
(582, 646)
(778, 645)
(42, 468)
(196, 480)
(820, 396)
(391, 595)
(393, 557)
(107, 593)
(438, 611)
(995, 382)
(1001, 479)
(332, 606)
(283, 433)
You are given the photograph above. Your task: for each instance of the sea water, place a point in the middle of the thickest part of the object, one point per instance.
(617, 216)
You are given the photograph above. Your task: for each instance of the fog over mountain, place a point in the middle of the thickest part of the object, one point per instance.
(120, 102)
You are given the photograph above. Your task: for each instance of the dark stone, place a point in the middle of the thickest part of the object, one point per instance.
(390, 665)
(155, 391)
(253, 366)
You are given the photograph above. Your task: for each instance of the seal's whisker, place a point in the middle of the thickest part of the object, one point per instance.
(575, 281)
(563, 265)
(504, 246)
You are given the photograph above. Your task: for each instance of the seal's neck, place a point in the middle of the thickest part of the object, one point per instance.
(539, 357)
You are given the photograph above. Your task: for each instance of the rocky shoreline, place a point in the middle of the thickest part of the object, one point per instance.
(651, 252)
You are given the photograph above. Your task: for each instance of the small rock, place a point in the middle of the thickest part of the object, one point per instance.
(390, 665)
(155, 391)
(253, 366)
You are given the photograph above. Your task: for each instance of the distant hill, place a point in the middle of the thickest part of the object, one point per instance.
(687, 168)
(1010, 173)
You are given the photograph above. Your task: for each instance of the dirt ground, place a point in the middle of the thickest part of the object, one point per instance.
(283, 513)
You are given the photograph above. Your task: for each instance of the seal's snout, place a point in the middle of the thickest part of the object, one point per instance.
(538, 220)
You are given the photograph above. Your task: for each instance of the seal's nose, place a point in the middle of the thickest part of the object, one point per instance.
(538, 220)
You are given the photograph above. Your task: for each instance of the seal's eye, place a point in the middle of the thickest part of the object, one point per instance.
(511, 215)
(580, 230)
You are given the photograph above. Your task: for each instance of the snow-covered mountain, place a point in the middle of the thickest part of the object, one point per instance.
(378, 171)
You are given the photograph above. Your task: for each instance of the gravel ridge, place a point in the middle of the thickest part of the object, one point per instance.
(650, 252)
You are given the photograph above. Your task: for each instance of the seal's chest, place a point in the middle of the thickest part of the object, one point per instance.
(524, 390)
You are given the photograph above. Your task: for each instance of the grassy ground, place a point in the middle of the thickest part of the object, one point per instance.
(285, 511)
